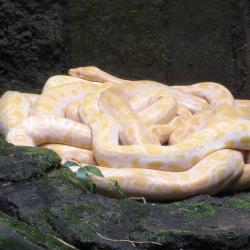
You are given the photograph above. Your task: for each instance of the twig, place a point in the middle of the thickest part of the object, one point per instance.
(138, 199)
(124, 230)
(65, 243)
(133, 242)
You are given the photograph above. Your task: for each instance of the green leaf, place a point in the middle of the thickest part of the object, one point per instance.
(94, 170)
(69, 164)
(93, 188)
(82, 173)
(90, 186)
(114, 187)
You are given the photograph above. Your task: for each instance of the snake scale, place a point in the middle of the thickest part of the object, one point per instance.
(156, 141)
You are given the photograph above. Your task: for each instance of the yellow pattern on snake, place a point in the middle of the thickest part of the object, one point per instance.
(156, 141)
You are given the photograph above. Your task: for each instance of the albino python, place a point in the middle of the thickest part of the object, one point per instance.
(156, 141)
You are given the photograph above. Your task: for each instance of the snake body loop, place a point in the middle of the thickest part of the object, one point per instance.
(156, 141)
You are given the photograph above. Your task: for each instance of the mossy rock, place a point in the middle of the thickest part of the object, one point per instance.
(24, 163)
(59, 205)
(16, 235)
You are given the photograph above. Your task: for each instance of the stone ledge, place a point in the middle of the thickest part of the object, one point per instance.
(58, 204)
(16, 235)
(35, 191)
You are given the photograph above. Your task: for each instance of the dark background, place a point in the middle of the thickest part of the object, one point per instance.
(172, 41)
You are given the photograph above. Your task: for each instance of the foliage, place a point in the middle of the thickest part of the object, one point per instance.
(84, 173)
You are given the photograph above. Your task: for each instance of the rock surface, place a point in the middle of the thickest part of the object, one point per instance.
(24, 163)
(17, 235)
(176, 42)
(57, 203)
(32, 43)
(169, 41)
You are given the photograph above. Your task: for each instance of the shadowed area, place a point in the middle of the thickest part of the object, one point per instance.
(58, 204)
(175, 42)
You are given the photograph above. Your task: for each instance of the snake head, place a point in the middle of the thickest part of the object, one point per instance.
(74, 72)
(84, 72)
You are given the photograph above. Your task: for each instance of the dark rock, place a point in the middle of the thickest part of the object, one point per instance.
(22, 163)
(177, 42)
(32, 43)
(17, 235)
(58, 204)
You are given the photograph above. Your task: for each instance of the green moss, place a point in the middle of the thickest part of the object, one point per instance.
(162, 235)
(31, 150)
(82, 218)
(40, 218)
(41, 153)
(4, 145)
(65, 188)
(3, 241)
(172, 206)
(31, 234)
(90, 210)
(197, 209)
(239, 202)
(68, 176)
(193, 208)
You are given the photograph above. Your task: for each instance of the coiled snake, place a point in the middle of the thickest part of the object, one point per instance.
(157, 141)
